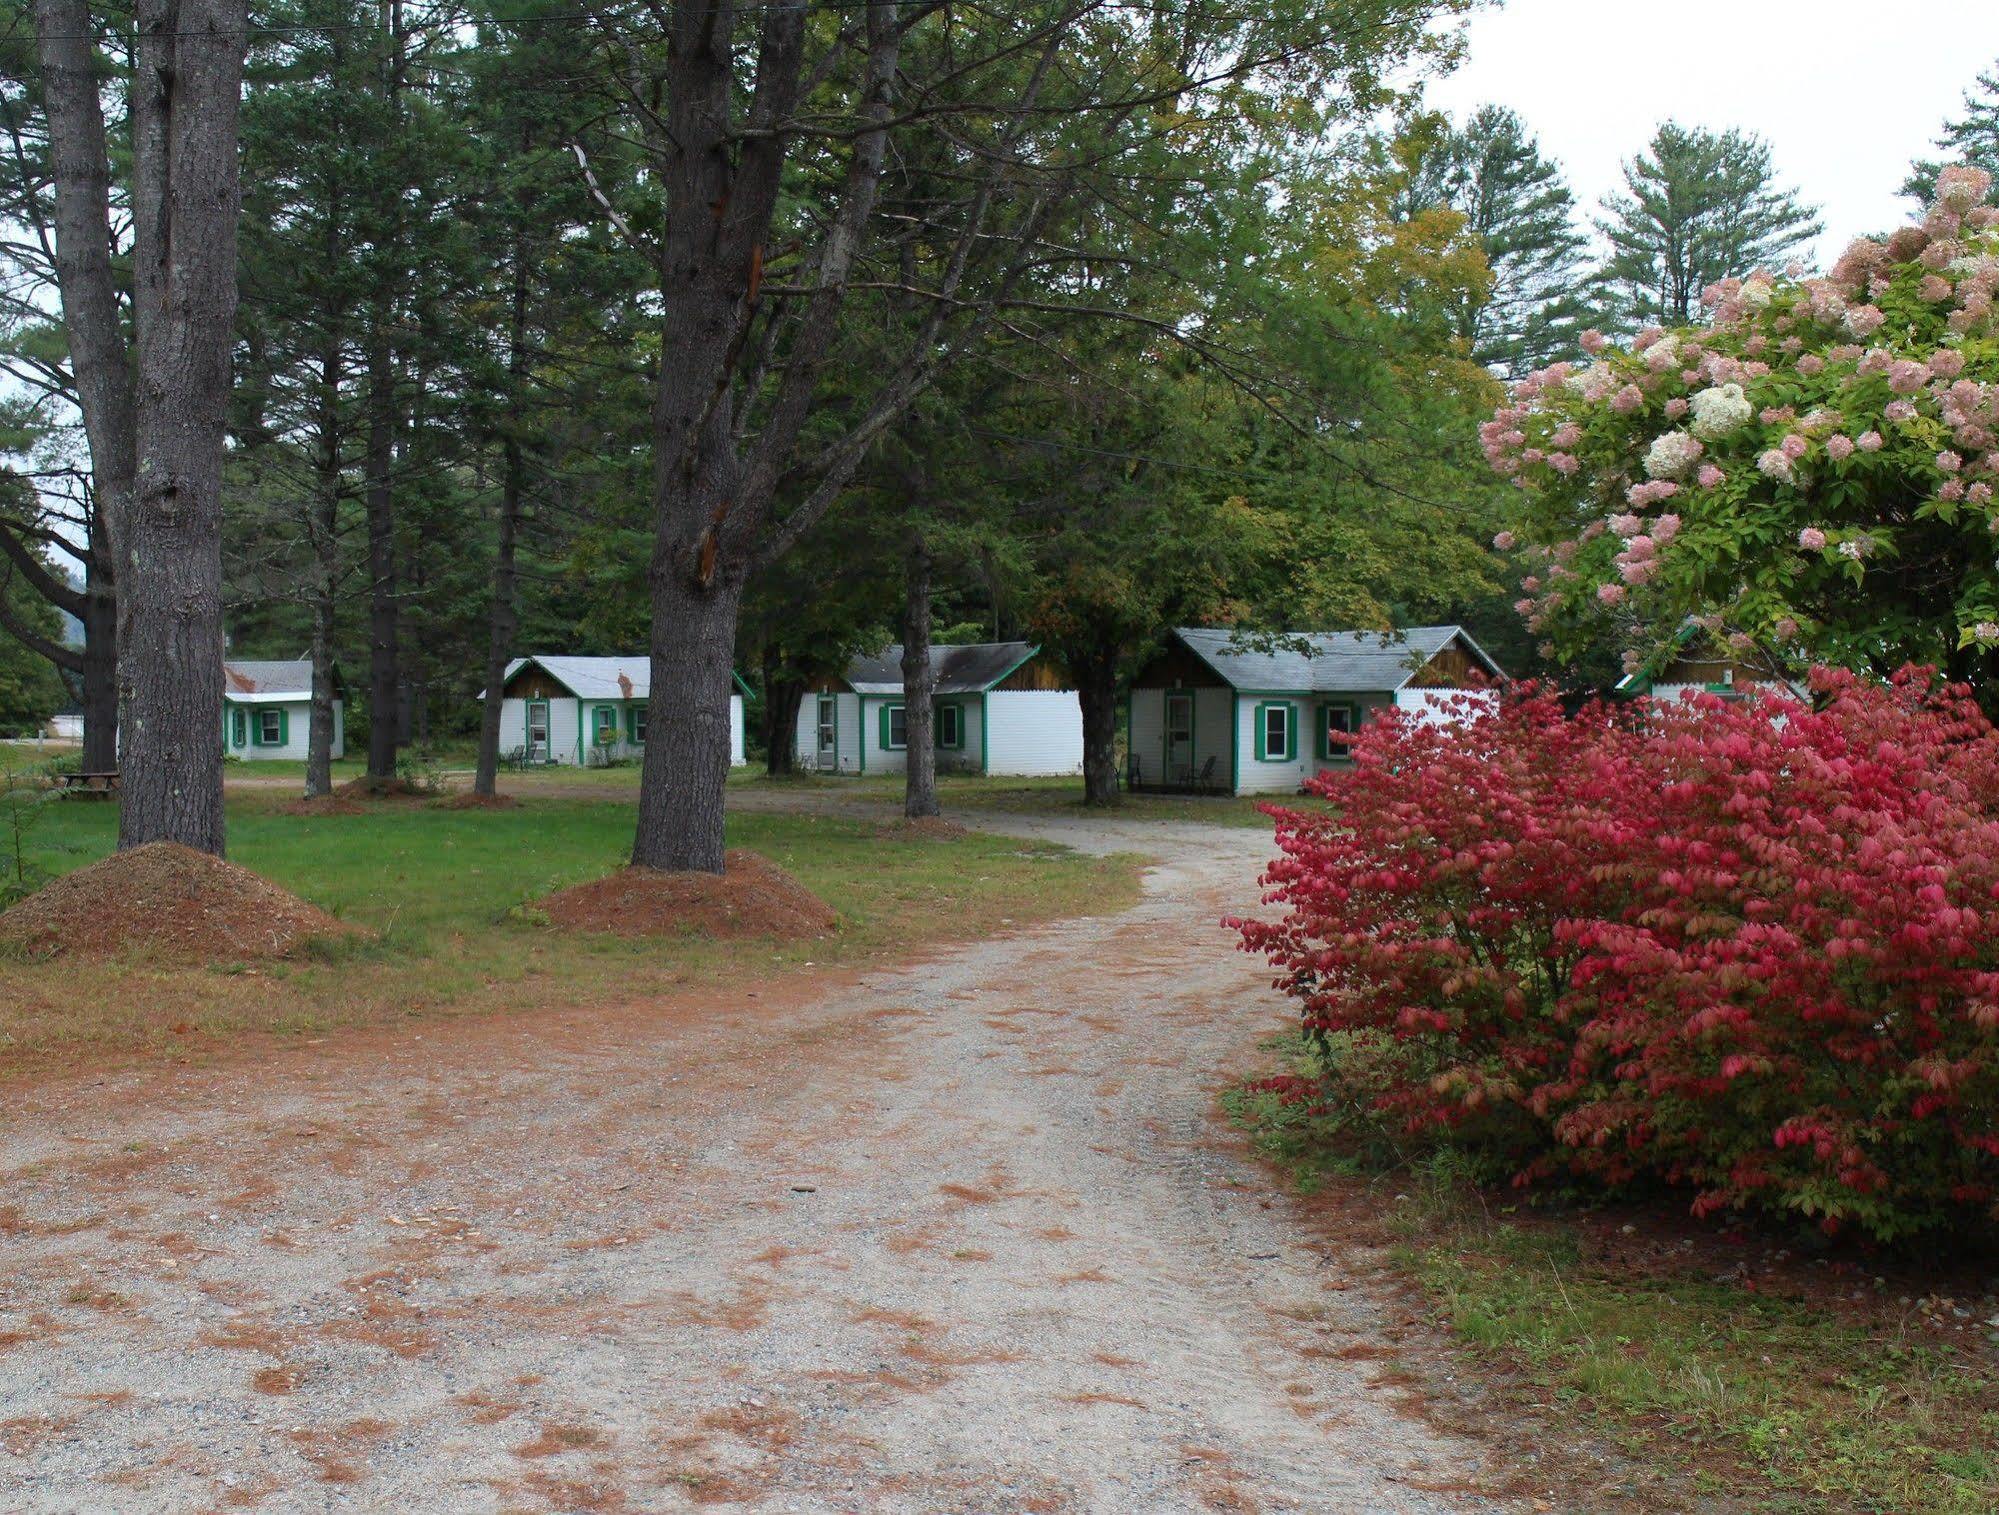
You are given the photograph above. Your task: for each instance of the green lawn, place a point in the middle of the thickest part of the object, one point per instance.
(1723, 1363)
(442, 890)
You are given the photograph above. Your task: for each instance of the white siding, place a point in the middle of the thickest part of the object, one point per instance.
(298, 730)
(1034, 731)
(736, 730)
(876, 758)
(1271, 776)
(846, 756)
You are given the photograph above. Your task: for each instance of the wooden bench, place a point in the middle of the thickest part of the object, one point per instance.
(104, 784)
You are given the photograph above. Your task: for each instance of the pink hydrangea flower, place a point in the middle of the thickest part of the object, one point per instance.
(1949, 462)
(1594, 341)
(1562, 462)
(1795, 446)
(1868, 441)
(1665, 529)
(1811, 539)
(1626, 525)
(1676, 407)
(1504, 541)
(1567, 434)
(1786, 629)
(1710, 476)
(1946, 363)
(1901, 412)
(1611, 594)
(1811, 365)
(1627, 399)
(1839, 448)
(1906, 376)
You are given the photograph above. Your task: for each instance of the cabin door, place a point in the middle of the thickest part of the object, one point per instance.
(537, 731)
(1179, 738)
(829, 735)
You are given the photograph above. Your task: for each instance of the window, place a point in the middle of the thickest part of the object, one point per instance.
(239, 727)
(635, 724)
(1339, 722)
(607, 725)
(895, 728)
(829, 734)
(270, 728)
(950, 726)
(1275, 733)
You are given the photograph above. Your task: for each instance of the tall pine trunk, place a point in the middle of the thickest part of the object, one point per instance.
(384, 653)
(503, 615)
(100, 659)
(100, 356)
(919, 785)
(1096, 691)
(783, 699)
(683, 782)
(186, 90)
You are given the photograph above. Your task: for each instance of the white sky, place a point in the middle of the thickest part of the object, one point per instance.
(1846, 92)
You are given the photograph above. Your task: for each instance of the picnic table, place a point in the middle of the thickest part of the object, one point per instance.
(105, 784)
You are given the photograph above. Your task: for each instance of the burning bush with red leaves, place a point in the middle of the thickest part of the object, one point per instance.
(1746, 947)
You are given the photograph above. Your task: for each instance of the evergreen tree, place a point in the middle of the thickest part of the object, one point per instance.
(1972, 138)
(1518, 206)
(1700, 206)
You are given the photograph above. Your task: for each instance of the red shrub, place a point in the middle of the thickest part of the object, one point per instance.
(1745, 947)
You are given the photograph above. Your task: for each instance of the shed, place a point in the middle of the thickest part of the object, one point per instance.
(267, 709)
(587, 711)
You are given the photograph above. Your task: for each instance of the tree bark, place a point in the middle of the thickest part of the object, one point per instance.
(323, 530)
(919, 785)
(782, 698)
(503, 615)
(686, 766)
(186, 90)
(100, 357)
(384, 650)
(1096, 690)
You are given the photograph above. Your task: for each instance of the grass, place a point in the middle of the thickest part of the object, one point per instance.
(443, 891)
(960, 793)
(1779, 1391)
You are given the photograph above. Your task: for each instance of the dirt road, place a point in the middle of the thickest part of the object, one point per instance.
(958, 1237)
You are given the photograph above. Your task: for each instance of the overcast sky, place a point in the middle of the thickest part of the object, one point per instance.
(1845, 92)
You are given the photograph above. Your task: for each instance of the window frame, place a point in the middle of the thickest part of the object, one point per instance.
(889, 713)
(956, 741)
(1265, 752)
(635, 723)
(1351, 710)
(276, 735)
(604, 733)
(239, 726)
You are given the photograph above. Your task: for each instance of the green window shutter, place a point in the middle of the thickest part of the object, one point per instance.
(1323, 747)
(284, 725)
(1261, 748)
(632, 724)
(239, 725)
(882, 715)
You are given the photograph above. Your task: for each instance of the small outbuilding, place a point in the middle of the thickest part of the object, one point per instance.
(267, 710)
(587, 712)
(1260, 713)
(1000, 707)
(1683, 670)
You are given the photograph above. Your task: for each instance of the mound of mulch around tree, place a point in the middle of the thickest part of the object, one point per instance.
(928, 828)
(169, 900)
(368, 787)
(322, 804)
(753, 898)
(470, 801)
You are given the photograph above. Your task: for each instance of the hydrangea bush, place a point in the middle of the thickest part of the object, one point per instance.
(1815, 468)
(1685, 943)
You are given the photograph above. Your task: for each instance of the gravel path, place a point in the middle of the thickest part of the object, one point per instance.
(957, 1237)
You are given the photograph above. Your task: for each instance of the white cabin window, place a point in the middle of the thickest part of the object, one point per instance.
(950, 726)
(270, 728)
(895, 728)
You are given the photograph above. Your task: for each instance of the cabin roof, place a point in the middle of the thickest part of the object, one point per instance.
(1328, 662)
(251, 681)
(595, 678)
(969, 669)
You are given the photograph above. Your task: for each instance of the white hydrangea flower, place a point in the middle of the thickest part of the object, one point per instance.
(1755, 294)
(1719, 410)
(1671, 455)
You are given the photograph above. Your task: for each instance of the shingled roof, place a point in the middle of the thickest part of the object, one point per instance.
(267, 679)
(970, 669)
(620, 678)
(1327, 662)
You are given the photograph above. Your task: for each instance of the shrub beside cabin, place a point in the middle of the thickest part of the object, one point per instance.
(1000, 708)
(586, 712)
(267, 710)
(1211, 714)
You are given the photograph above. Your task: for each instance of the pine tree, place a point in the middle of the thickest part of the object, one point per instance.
(1701, 206)
(1517, 204)
(1972, 138)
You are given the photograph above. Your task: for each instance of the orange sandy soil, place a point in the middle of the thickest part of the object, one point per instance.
(960, 1236)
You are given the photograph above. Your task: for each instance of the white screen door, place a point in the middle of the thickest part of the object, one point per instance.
(1179, 736)
(537, 731)
(829, 736)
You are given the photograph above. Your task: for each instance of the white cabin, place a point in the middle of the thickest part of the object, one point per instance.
(587, 712)
(1215, 712)
(267, 710)
(1000, 708)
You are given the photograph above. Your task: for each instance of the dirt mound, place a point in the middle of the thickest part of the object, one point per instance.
(167, 899)
(322, 804)
(368, 787)
(929, 828)
(753, 898)
(471, 801)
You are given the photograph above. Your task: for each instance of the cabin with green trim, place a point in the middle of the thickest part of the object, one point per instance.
(267, 710)
(1000, 707)
(1221, 712)
(587, 712)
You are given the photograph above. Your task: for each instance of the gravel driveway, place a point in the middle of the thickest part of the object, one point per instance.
(958, 1237)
